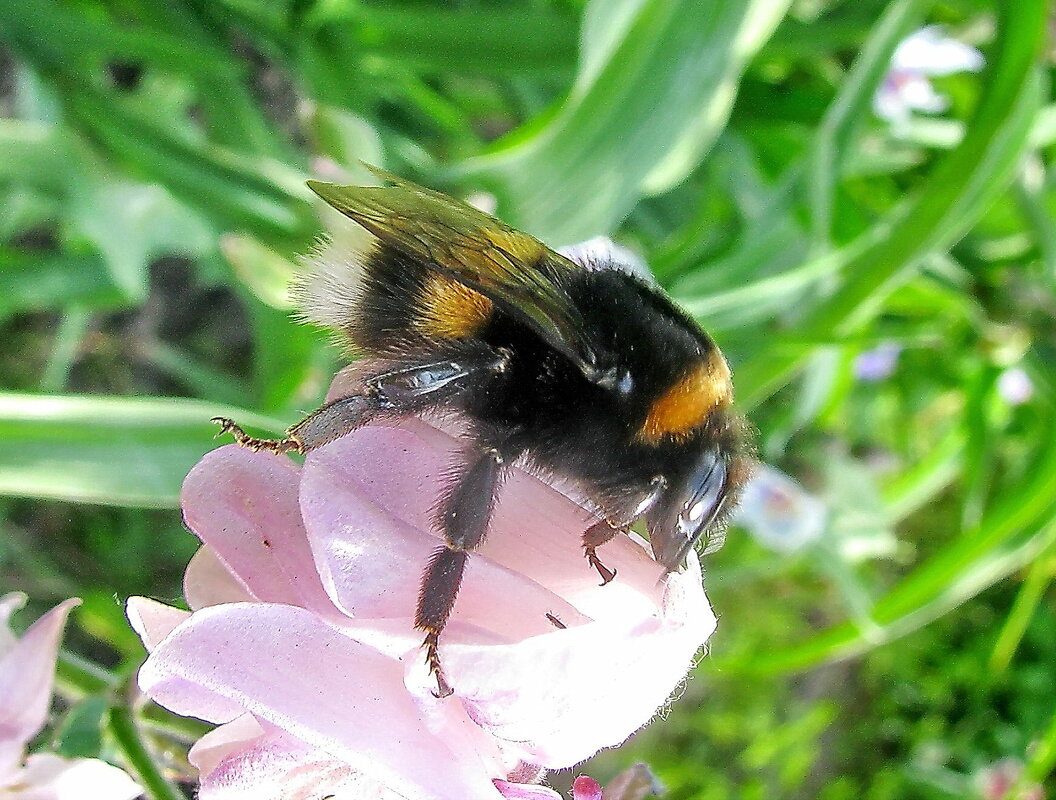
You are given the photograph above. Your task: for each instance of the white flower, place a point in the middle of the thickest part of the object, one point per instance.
(924, 54)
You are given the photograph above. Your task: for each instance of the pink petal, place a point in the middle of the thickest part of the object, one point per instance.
(555, 700)
(536, 531)
(49, 777)
(372, 561)
(279, 766)
(26, 674)
(208, 582)
(287, 667)
(526, 791)
(153, 621)
(244, 505)
(223, 741)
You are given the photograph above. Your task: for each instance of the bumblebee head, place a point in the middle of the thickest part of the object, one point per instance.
(700, 494)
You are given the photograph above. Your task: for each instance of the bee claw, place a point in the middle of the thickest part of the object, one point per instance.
(432, 658)
(225, 426)
(442, 688)
(606, 574)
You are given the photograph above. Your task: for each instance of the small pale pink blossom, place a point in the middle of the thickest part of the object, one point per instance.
(27, 670)
(906, 87)
(1015, 386)
(997, 781)
(301, 645)
(779, 513)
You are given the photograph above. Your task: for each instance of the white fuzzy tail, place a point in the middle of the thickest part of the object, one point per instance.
(328, 286)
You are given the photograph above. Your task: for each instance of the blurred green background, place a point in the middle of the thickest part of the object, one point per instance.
(884, 289)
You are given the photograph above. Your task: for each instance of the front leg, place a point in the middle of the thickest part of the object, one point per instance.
(398, 391)
(464, 516)
(593, 538)
(601, 532)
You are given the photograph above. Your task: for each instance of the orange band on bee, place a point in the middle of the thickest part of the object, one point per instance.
(686, 405)
(449, 310)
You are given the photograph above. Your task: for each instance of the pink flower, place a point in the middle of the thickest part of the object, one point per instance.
(27, 669)
(301, 642)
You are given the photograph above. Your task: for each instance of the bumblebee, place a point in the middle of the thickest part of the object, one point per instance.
(572, 368)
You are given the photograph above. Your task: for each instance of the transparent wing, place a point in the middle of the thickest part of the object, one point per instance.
(515, 270)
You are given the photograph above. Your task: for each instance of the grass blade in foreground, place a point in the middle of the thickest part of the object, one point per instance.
(126, 451)
(959, 189)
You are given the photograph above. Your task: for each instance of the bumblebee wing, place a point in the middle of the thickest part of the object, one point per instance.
(513, 269)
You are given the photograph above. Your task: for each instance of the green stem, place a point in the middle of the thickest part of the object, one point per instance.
(123, 728)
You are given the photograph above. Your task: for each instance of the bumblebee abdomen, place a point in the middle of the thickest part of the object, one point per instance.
(382, 301)
(447, 309)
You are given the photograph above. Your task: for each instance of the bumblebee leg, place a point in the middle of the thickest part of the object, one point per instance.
(593, 538)
(463, 516)
(398, 392)
(330, 422)
(286, 445)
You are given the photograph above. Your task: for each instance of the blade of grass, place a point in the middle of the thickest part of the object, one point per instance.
(72, 329)
(123, 727)
(111, 450)
(956, 192)
(925, 478)
(849, 108)
(1040, 576)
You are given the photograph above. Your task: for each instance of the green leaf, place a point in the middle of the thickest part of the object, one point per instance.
(36, 154)
(515, 38)
(80, 734)
(131, 224)
(112, 450)
(656, 83)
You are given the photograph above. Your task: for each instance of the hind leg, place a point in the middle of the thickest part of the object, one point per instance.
(464, 516)
(397, 392)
